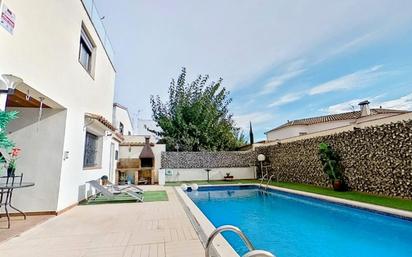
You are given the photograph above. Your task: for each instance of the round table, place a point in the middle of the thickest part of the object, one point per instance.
(6, 194)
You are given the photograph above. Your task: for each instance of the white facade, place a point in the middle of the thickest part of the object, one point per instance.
(44, 51)
(359, 125)
(301, 130)
(143, 125)
(122, 120)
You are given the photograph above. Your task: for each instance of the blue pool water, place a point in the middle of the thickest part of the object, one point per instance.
(289, 225)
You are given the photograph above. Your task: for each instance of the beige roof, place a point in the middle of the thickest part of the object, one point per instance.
(335, 117)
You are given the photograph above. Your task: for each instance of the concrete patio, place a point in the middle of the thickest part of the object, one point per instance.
(156, 229)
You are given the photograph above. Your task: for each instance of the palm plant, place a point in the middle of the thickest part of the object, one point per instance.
(330, 163)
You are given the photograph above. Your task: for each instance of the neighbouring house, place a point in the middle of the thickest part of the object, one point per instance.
(65, 104)
(122, 119)
(330, 123)
(138, 156)
(143, 126)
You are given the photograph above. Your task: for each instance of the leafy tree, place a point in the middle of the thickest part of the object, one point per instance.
(196, 117)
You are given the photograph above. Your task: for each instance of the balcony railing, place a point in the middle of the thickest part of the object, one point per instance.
(98, 25)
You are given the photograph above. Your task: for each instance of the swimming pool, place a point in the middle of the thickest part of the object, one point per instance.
(290, 225)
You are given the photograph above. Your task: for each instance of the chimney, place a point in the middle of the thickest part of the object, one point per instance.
(146, 152)
(364, 108)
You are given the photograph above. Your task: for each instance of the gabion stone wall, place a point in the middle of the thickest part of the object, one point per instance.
(187, 160)
(375, 160)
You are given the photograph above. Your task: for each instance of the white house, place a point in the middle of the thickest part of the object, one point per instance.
(122, 119)
(138, 155)
(143, 126)
(330, 123)
(65, 102)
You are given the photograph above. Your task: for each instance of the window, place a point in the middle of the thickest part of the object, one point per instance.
(116, 155)
(90, 150)
(86, 52)
(121, 128)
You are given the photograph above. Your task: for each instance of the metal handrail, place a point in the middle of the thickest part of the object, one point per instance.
(227, 228)
(270, 178)
(258, 253)
(261, 180)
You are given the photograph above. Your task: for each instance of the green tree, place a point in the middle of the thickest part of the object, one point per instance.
(5, 143)
(5, 118)
(196, 116)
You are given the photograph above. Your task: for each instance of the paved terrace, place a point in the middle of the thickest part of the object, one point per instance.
(154, 229)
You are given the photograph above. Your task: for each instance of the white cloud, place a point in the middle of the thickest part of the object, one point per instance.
(288, 98)
(277, 81)
(402, 103)
(348, 106)
(255, 117)
(355, 79)
(236, 39)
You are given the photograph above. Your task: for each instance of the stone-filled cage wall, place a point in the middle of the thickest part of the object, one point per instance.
(375, 160)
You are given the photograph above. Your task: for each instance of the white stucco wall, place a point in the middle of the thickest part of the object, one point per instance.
(122, 115)
(293, 131)
(43, 51)
(286, 132)
(215, 174)
(41, 156)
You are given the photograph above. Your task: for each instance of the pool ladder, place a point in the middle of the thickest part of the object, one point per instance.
(263, 178)
(252, 251)
(268, 181)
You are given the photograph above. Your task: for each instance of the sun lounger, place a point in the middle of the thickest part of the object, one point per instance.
(101, 190)
(138, 196)
(122, 189)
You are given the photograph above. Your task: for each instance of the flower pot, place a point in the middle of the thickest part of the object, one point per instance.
(337, 185)
(11, 171)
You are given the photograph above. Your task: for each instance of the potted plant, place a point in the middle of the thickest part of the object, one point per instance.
(104, 179)
(11, 168)
(330, 163)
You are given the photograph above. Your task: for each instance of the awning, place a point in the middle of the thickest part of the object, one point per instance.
(102, 120)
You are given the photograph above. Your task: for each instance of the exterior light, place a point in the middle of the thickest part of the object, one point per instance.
(261, 158)
(8, 83)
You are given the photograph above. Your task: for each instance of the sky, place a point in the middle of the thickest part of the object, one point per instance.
(281, 60)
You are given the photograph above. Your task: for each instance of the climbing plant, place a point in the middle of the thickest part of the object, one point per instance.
(5, 143)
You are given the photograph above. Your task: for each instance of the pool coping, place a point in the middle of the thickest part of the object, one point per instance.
(204, 227)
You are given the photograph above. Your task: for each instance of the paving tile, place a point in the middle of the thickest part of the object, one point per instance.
(155, 229)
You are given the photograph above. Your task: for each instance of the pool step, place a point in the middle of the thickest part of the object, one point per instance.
(252, 251)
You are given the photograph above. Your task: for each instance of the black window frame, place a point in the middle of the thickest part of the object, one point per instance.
(86, 45)
(121, 128)
(90, 150)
